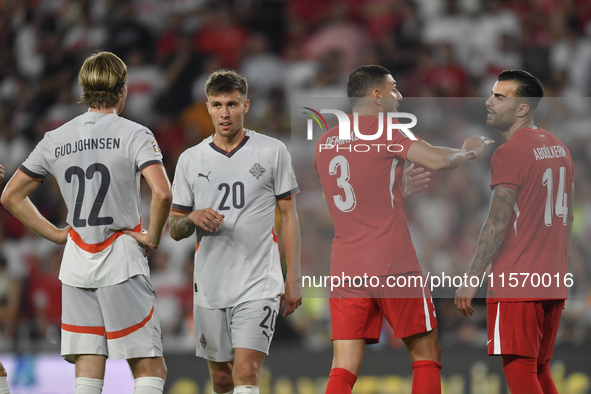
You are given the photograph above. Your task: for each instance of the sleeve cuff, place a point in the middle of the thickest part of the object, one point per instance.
(290, 193)
(182, 208)
(150, 163)
(509, 185)
(31, 174)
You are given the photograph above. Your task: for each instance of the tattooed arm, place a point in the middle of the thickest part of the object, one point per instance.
(180, 226)
(183, 225)
(491, 238)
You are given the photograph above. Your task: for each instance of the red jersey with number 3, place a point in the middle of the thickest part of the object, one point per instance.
(361, 181)
(532, 262)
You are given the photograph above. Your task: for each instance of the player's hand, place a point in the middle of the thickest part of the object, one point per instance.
(143, 239)
(464, 296)
(1, 173)
(476, 144)
(291, 303)
(414, 180)
(62, 235)
(207, 219)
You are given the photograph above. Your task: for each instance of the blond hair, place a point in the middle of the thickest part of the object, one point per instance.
(102, 77)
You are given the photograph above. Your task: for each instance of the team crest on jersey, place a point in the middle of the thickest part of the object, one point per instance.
(257, 170)
(155, 146)
(203, 341)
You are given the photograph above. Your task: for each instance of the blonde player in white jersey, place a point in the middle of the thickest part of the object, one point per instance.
(227, 189)
(107, 298)
(3, 375)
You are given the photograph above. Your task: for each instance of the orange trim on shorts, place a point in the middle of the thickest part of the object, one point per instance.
(95, 248)
(197, 248)
(100, 331)
(129, 330)
(275, 236)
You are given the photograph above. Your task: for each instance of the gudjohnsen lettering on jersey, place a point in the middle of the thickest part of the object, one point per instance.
(87, 144)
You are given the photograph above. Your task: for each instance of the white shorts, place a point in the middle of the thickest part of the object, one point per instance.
(249, 325)
(115, 321)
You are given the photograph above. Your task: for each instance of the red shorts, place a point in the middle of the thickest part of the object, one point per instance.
(526, 329)
(359, 313)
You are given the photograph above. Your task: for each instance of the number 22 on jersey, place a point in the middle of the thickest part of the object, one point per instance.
(93, 217)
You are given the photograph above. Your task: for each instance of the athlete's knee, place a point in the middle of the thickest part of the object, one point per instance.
(431, 352)
(222, 382)
(148, 367)
(163, 370)
(438, 351)
(350, 364)
(424, 346)
(2, 371)
(247, 373)
(221, 377)
(348, 355)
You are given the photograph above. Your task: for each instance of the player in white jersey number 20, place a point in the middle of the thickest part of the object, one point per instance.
(227, 189)
(107, 299)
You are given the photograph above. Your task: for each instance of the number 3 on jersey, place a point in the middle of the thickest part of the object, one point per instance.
(561, 197)
(348, 204)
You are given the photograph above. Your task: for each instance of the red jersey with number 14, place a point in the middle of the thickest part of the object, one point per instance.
(532, 262)
(361, 181)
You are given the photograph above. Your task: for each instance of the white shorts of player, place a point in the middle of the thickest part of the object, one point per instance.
(248, 325)
(115, 321)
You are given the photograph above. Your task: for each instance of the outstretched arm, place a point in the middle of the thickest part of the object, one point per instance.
(290, 235)
(440, 158)
(15, 198)
(491, 238)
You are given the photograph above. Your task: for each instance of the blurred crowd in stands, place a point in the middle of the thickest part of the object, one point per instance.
(286, 48)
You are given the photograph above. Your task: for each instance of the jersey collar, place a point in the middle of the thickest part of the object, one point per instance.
(233, 151)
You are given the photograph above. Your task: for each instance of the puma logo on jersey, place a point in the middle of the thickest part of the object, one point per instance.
(200, 175)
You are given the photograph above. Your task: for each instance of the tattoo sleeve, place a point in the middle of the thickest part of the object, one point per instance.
(181, 227)
(494, 229)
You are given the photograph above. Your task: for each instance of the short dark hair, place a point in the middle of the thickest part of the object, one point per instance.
(364, 78)
(225, 81)
(528, 86)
